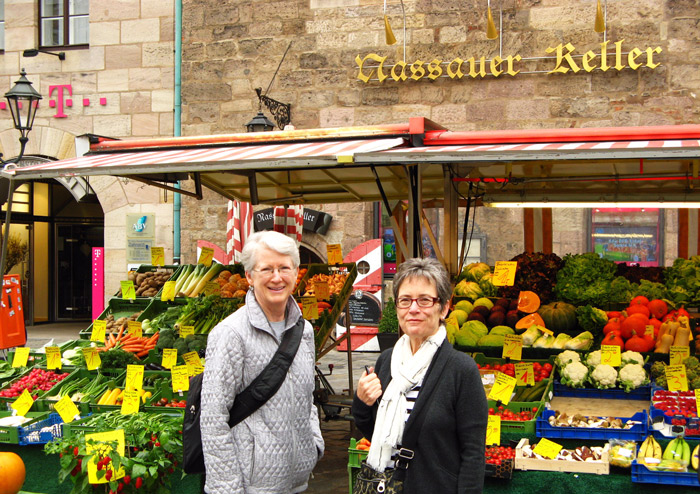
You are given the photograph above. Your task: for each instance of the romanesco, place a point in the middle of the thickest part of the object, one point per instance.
(630, 357)
(658, 368)
(566, 357)
(632, 376)
(604, 376)
(593, 359)
(574, 375)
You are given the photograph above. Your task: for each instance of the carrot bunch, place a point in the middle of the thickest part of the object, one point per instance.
(139, 346)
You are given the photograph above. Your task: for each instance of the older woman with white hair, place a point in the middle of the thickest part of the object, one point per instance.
(423, 405)
(275, 448)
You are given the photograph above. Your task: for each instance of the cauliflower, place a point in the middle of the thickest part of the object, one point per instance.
(593, 358)
(630, 357)
(566, 357)
(604, 376)
(632, 376)
(574, 374)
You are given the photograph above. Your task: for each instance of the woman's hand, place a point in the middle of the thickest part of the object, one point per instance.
(369, 388)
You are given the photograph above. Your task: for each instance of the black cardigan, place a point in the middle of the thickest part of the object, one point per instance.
(449, 455)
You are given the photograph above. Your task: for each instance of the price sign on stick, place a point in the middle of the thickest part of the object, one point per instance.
(192, 358)
(610, 354)
(135, 328)
(99, 327)
(181, 378)
(335, 253)
(130, 402)
(513, 346)
(676, 378)
(548, 449)
(206, 256)
(53, 358)
(23, 403)
(504, 273)
(212, 288)
(157, 256)
(322, 290)
(128, 290)
(678, 354)
(67, 409)
(21, 356)
(168, 292)
(169, 358)
(309, 307)
(185, 331)
(493, 430)
(134, 377)
(525, 374)
(92, 358)
(649, 331)
(100, 444)
(503, 388)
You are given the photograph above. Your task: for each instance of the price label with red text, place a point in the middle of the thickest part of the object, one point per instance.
(309, 307)
(503, 388)
(130, 402)
(21, 356)
(134, 377)
(504, 273)
(92, 358)
(168, 292)
(206, 256)
(157, 256)
(212, 288)
(169, 358)
(548, 449)
(185, 331)
(180, 377)
(649, 330)
(610, 355)
(697, 401)
(525, 374)
(513, 346)
(678, 354)
(676, 378)
(128, 290)
(493, 430)
(53, 358)
(67, 409)
(99, 327)
(23, 403)
(322, 290)
(135, 328)
(335, 253)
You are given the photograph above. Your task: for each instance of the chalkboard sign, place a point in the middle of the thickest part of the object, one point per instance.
(365, 311)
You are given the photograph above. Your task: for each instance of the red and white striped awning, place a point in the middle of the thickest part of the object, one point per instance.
(213, 159)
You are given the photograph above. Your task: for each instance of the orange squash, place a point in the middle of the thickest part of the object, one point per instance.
(658, 308)
(528, 302)
(12, 473)
(639, 300)
(638, 309)
(529, 320)
(636, 323)
(612, 338)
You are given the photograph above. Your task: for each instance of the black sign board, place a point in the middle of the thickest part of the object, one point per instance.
(314, 221)
(364, 311)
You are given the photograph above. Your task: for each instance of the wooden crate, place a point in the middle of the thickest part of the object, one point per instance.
(601, 467)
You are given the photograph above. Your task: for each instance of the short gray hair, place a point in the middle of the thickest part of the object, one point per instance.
(272, 240)
(430, 269)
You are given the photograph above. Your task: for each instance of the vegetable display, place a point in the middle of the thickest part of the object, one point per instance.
(147, 284)
(37, 381)
(191, 280)
(537, 272)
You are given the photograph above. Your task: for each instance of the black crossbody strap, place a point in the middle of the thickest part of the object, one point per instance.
(269, 381)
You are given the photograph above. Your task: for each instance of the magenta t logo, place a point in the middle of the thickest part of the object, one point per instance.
(59, 99)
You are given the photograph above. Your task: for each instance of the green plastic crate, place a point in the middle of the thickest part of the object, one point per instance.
(355, 458)
(10, 435)
(77, 374)
(118, 307)
(232, 268)
(147, 268)
(5, 402)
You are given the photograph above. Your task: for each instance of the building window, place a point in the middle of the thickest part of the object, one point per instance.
(64, 22)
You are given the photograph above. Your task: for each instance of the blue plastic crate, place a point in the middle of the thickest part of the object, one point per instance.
(637, 433)
(33, 434)
(642, 474)
(641, 393)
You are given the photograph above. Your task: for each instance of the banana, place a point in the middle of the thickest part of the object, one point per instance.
(695, 459)
(644, 449)
(670, 451)
(658, 454)
(686, 451)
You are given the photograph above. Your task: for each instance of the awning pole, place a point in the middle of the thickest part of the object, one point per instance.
(398, 236)
(6, 235)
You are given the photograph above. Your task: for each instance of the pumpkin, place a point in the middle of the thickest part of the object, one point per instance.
(634, 323)
(560, 317)
(639, 300)
(639, 344)
(612, 338)
(528, 302)
(12, 473)
(658, 308)
(638, 309)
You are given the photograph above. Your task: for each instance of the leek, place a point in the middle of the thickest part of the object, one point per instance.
(212, 273)
(186, 271)
(192, 282)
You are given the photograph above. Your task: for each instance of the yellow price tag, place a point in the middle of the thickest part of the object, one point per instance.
(185, 331)
(67, 409)
(134, 377)
(100, 444)
(322, 291)
(525, 374)
(92, 358)
(649, 330)
(53, 358)
(513, 346)
(168, 292)
(212, 288)
(676, 378)
(678, 354)
(128, 290)
(206, 256)
(697, 401)
(99, 327)
(192, 358)
(503, 388)
(135, 328)
(130, 402)
(493, 430)
(157, 256)
(181, 378)
(23, 403)
(21, 356)
(548, 449)
(504, 273)
(309, 307)
(196, 369)
(545, 330)
(335, 253)
(169, 358)
(610, 355)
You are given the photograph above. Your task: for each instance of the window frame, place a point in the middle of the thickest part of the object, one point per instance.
(66, 20)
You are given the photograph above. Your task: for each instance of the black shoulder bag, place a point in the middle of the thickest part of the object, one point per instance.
(261, 389)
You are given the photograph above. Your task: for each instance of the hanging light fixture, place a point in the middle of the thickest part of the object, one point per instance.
(491, 32)
(390, 38)
(600, 17)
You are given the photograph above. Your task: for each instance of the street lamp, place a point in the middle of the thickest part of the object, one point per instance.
(260, 123)
(23, 101)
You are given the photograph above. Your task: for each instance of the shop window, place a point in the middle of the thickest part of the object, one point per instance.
(21, 199)
(629, 235)
(64, 22)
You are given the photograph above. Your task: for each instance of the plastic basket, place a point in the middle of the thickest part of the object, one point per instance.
(42, 431)
(5, 402)
(75, 427)
(83, 406)
(641, 474)
(636, 433)
(9, 434)
(118, 307)
(640, 393)
(149, 268)
(165, 390)
(236, 268)
(355, 458)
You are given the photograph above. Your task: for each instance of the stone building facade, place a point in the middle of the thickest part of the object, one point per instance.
(231, 48)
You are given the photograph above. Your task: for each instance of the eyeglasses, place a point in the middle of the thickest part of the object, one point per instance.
(424, 302)
(269, 272)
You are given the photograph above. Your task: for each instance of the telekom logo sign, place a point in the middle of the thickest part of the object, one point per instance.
(63, 99)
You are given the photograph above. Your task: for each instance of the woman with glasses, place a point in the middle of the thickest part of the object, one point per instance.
(424, 392)
(275, 448)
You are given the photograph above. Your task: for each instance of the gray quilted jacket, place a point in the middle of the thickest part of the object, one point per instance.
(275, 448)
